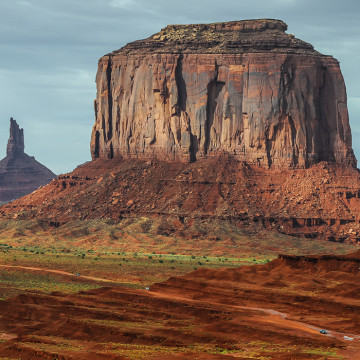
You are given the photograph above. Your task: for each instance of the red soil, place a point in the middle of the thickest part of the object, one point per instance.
(274, 310)
(322, 201)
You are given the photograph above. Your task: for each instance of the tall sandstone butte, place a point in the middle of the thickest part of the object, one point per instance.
(20, 174)
(243, 87)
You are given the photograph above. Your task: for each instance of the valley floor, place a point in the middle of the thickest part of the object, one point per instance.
(271, 310)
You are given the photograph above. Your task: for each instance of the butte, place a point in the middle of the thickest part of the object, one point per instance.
(236, 122)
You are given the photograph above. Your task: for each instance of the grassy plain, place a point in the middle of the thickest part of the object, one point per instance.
(85, 269)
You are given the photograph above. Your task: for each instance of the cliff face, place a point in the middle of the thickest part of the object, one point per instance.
(246, 88)
(20, 174)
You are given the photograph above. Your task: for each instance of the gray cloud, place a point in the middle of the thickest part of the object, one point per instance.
(50, 50)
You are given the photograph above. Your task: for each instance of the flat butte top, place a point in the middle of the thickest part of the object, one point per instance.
(234, 37)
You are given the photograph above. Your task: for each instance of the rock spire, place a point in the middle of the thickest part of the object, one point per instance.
(20, 174)
(15, 146)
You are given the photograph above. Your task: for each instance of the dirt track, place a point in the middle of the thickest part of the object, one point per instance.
(60, 272)
(273, 317)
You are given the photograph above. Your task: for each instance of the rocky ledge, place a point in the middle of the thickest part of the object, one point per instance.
(233, 37)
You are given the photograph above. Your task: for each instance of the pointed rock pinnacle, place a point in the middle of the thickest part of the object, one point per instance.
(15, 144)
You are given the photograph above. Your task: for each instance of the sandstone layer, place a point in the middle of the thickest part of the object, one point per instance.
(246, 88)
(20, 174)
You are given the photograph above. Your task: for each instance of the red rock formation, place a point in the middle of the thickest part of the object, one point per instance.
(249, 103)
(20, 174)
(245, 87)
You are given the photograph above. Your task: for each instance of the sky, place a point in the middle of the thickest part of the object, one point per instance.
(50, 48)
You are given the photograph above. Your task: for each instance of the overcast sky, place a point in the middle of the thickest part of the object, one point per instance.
(50, 49)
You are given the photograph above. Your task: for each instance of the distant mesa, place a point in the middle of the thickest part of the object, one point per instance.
(20, 174)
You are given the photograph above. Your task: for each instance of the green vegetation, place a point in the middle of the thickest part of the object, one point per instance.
(54, 269)
(14, 282)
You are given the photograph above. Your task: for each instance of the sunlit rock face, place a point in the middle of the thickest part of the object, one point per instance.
(20, 174)
(245, 88)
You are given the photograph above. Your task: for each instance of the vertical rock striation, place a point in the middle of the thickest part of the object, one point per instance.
(244, 87)
(20, 174)
(15, 145)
